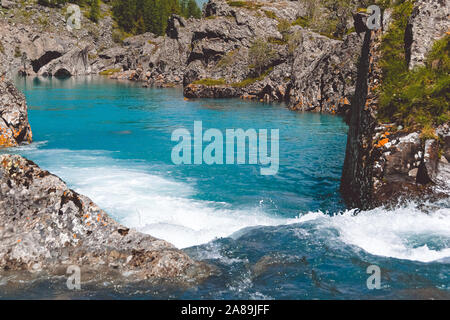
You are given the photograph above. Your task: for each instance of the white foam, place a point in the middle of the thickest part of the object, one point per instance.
(403, 233)
(155, 204)
(152, 204)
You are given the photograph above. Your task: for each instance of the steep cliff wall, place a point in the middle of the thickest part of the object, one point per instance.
(386, 162)
(14, 126)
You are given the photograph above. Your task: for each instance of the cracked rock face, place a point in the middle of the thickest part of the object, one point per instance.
(429, 22)
(384, 163)
(14, 126)
(45, 226)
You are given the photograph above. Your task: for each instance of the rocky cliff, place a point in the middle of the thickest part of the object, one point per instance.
(46, 227)
(14, 126)
(384, 162)
(309, 69)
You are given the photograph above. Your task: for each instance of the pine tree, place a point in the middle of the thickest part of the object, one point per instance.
(94, 14)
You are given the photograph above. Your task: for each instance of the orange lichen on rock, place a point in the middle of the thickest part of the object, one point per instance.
(382, 142)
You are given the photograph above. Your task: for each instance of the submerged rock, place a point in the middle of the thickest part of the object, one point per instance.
(45, 226)
(14, 126)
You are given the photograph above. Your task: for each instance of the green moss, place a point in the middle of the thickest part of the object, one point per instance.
(419, 97)
(109, 72)
(302, 22)
(250, 5)
(277, 41)
(227, 60)
(270, 14)
(210, 82)
(246, 82)
(427, 133)
(17, 53)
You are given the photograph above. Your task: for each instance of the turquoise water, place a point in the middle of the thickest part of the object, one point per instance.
(287, 236)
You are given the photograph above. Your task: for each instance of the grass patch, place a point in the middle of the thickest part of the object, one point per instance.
(227, 60)
(302, 22)
(250, 5)
(270, 14)
(246, 82)
(419, 97)
(17, 53)
(109, 72)
(210, 82)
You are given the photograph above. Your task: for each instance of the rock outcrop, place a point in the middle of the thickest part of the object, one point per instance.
(304, 68)
(46, 227)
(385, 163)
(34, 41)
(14, 126)
(310, 71)
(429, 22)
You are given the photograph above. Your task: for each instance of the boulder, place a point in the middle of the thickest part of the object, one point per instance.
(14, 126)
(46, 227)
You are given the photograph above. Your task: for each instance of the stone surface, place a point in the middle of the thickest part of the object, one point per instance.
(38, 42)
(14, 126)
(45, 226)
(429, 22)
(384, 163)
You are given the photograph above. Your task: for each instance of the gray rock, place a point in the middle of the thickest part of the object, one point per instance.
(428, 23)
(7, 4)
(14, 126)
(45, 226)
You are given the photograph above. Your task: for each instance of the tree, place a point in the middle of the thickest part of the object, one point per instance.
(193, 10)
(260, 55)
(94, 14)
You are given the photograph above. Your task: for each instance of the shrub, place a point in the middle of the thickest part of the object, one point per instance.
(210, 82)
(109, 72)
(416, 97)
(261, 54)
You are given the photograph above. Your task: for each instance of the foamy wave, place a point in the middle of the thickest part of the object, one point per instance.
(403, 233)
(152, 204)
(165, 208)
(162, 208)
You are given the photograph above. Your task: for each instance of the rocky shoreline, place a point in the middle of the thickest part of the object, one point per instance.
(45, 226)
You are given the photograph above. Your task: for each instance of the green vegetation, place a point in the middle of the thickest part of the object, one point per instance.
(249, 81)
(261, 54)
(210, 82)
(270, 14)
(94, 13)
(419, 97)
(17, 53)
(227, 59)
(109, 72)
(250, 5)
(2, 48)
(136, 16)
(139, 16)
